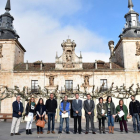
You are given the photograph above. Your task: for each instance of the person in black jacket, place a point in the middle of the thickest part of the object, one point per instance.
(30, 112)
(134, 110)
(51, 106)
(17, 114)
(41, 112)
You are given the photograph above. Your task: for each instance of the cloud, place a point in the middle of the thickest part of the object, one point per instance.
(42, 33)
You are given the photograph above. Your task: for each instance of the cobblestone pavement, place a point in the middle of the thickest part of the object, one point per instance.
(5, 133)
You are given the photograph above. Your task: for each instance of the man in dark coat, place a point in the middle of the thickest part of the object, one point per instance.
(17, 114)
(89, 113)
(134, 109)
(51, 106)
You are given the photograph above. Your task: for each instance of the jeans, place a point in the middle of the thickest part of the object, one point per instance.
(51, 116)
(61, 124)
(134, 118)
(110, 120)
(29, 124)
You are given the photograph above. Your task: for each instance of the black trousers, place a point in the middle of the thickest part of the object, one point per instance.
(102, 121)
(77, 118)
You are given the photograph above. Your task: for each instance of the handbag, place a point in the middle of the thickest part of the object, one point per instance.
(40, 123)
(27, 118)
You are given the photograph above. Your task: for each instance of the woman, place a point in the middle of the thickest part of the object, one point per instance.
(41, 112)
(111, 112)
(102, 111)
(30, 112)
(122, 120)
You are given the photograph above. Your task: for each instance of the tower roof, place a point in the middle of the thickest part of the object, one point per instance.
(8, 5)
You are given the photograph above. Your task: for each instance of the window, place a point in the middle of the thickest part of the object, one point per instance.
(103, 83)
(34, 85)
(69, 85)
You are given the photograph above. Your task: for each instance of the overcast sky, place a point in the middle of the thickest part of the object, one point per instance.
(43, 25)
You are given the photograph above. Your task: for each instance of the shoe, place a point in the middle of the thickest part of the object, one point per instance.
(53, 132)
(126, 131)
(48, 132)
(67, 132)
(27, 132)
(104, 132)
(86, 132)
(30, 132)
(121, 131)
(37, 132)
(74, 132)
(79, 132)
(93, 133)
(138, 131)
(41, 132)
(134, 132)
(17, 134)
(59, 132)
(12, 134)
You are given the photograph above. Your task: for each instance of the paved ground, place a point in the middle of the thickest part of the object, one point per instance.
(5, 133)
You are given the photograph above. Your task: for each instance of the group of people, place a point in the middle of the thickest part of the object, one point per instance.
(104, 110)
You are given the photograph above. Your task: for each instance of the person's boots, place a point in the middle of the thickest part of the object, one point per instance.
(104, 129)
(30, 132)
(109, 127)
(112, 129)
(100, 130)
(27, 132)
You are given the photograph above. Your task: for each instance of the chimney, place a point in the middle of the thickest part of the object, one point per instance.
(96, 64)
(110, 64)
(41, 65)
(27, 65)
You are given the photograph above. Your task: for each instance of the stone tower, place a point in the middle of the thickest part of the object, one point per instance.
(11, 51)
(127, 51)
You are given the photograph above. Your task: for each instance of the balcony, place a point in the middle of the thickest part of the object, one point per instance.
(69, 90)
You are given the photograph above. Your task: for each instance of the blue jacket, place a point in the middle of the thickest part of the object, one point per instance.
(67, 108)
(16, 109)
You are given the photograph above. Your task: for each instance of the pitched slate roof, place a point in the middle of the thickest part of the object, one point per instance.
(51, 67)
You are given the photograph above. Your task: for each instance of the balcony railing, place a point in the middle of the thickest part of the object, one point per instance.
(69, 90)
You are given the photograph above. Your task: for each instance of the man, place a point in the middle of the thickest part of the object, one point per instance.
(77, 113)
(89, 113)
(134, 109)
(17, 114)
(51, 106)
(64, 109)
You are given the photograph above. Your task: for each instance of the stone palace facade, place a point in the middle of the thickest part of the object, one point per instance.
(68, 71)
